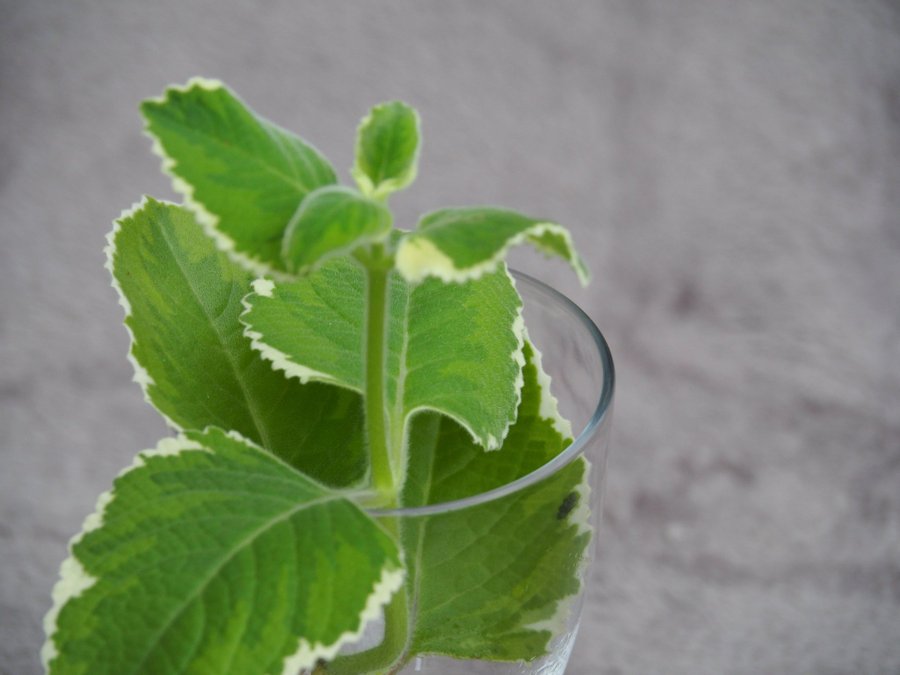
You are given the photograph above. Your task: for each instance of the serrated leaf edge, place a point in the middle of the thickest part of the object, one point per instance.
(581, 514)
(208, 221)
(549, 405)
(490, 442)
(73, 578)
(557, 624)
(518, 357)
(281, 361)
(307, 655)
(277, 359)
(581, 518)
(390, 582)
(141, 376)
(418, 257)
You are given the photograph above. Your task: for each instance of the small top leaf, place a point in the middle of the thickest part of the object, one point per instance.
(458, 244)
(243, 176)
(387, 149)
(332, 221)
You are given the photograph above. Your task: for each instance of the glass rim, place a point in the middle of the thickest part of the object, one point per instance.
(574, 450)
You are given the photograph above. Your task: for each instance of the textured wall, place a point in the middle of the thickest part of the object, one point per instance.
(732, 171)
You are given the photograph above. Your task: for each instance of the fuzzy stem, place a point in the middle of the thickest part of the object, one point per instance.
(383, 479)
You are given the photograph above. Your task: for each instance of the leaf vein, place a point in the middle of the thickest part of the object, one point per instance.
(229, 556)
(252, 405)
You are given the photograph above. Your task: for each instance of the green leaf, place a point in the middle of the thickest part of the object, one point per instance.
(212, 556)
(456, 349)
(464, 243)
(332, 220)
(387, 149)
(243, 176)
(182, 299)
(490, 582)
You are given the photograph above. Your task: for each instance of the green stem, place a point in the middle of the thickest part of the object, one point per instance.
(375, 410)
(386, 483)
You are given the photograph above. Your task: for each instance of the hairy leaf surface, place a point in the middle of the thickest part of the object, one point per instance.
(463, 243)
(332, 221)
(242, 175)
(182, 299)
(454, 348)
(490, 582)
(212, 556)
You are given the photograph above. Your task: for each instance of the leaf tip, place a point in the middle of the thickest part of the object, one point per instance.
(388, 144)
(581, 270)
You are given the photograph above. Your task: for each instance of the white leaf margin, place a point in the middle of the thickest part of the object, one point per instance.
(74, 579)
(385, 187)
(489, 441)
(307, 655)
(549, 405)
(207, 220)
(418, 257)
(280, 361)
(141, 376)
(558, 623)
(277, 359)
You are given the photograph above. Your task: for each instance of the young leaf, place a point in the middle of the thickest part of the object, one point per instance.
(332, 221)
(456, 349)
(464, 243)
(212, 556)
(387, 149)
(490, 582)
(243, 176)
(182, 299)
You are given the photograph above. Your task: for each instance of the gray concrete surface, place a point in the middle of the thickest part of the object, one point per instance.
(732, 171)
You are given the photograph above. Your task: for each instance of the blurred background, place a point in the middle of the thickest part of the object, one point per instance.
(731, 172)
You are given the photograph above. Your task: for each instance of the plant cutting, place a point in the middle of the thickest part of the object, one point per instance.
(359, 412)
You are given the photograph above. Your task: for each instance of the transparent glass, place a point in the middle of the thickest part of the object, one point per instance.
(577, 358)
